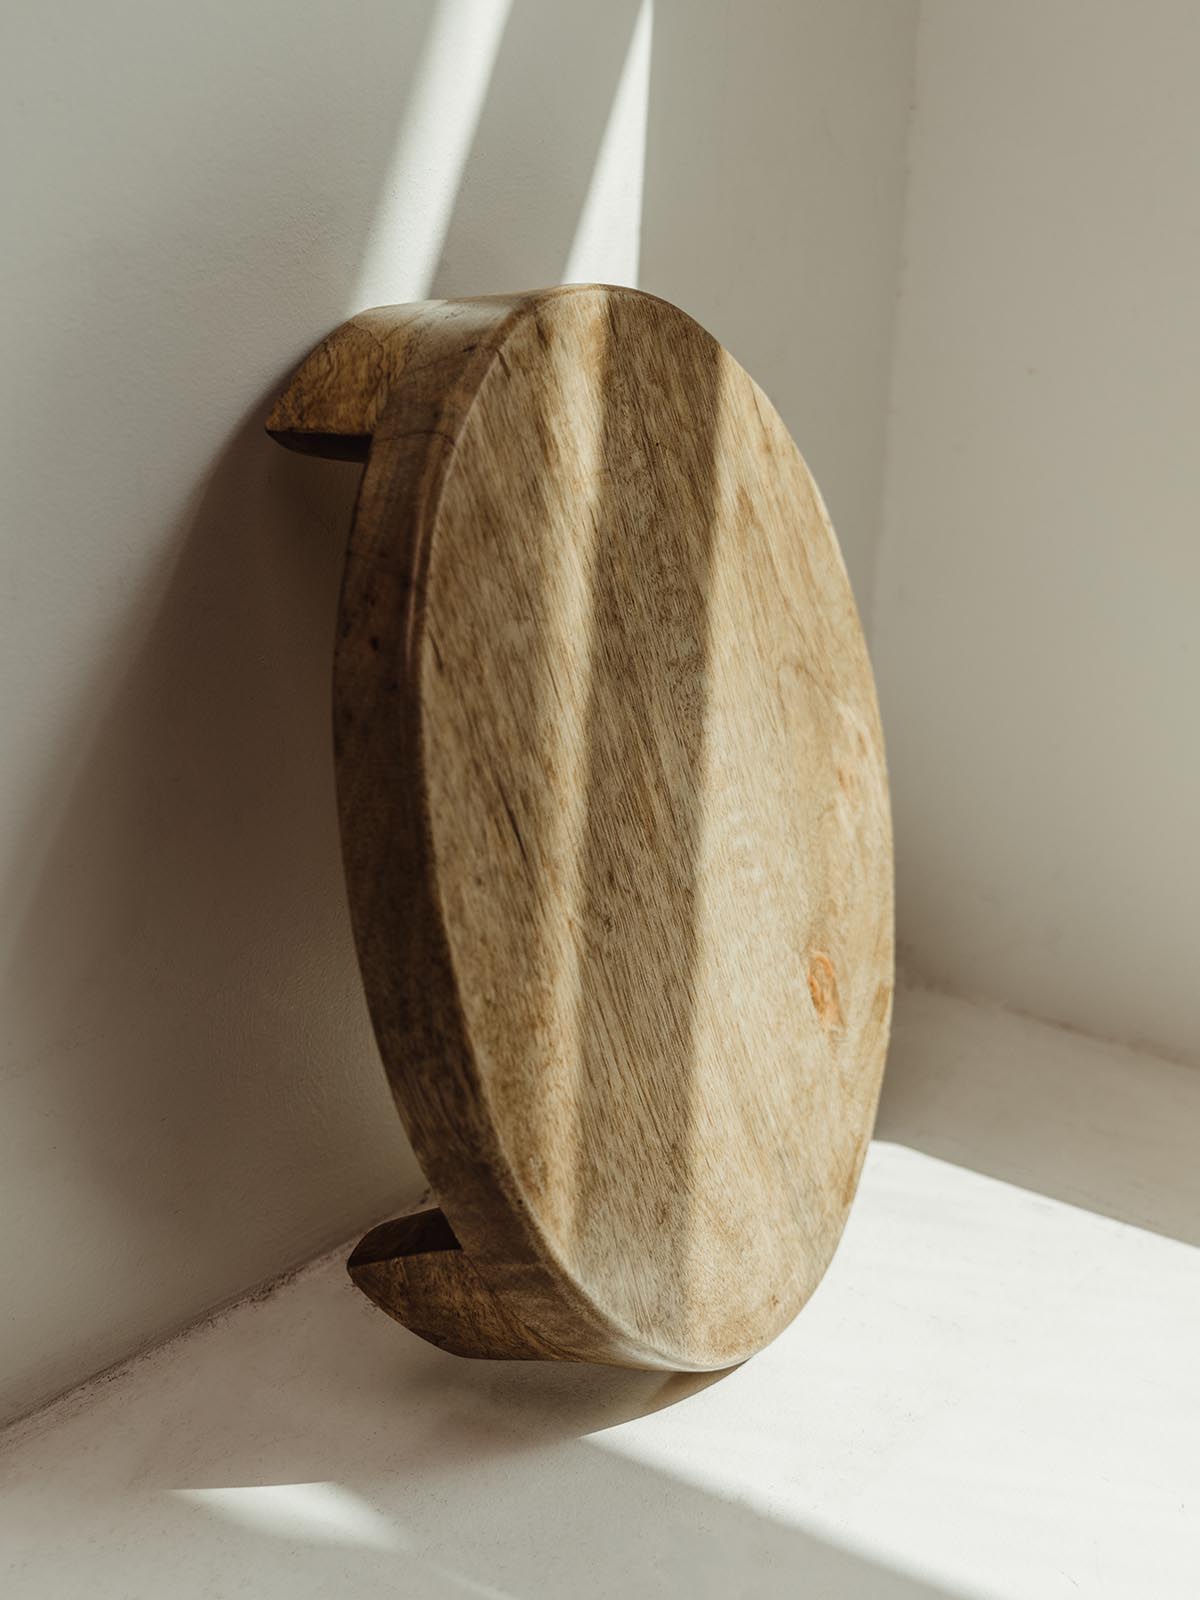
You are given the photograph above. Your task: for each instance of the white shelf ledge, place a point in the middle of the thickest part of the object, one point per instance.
(994, 1395)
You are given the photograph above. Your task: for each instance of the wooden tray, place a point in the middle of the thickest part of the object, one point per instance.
(615, 825)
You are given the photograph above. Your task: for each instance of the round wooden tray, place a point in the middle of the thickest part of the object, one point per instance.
(615, 825)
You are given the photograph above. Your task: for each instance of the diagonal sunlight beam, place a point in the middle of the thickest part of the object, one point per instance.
(417, 199)
(608, 236)
(317, 1513)
(1026, 1368)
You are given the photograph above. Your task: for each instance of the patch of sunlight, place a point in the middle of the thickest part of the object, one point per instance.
(608, 238)
(485, 1591)
(416, 201)
(991, 1391)
(318, 1513)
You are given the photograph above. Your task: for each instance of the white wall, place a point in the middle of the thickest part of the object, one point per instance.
(1035, 634)
(774, 204)
(189, 1099)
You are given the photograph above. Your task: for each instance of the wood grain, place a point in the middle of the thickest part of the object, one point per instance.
(614, 821)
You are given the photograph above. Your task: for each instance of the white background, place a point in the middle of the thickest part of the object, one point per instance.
(959, 244)
(960, 250)
(1035, 630)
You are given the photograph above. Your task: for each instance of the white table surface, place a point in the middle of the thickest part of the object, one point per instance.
(994, 1393)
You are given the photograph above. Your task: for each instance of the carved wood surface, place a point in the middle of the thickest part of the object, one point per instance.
(614, 821)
